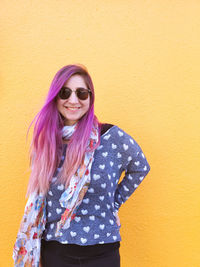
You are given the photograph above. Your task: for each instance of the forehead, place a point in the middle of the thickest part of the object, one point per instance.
(75, 81)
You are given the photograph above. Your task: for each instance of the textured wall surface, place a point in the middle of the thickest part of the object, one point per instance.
(144, 59)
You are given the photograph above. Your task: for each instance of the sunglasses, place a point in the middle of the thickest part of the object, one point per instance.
(81, 93)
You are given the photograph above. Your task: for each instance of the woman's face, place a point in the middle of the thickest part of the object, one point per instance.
(73, 108)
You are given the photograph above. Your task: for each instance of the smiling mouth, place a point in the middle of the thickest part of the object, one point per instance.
(72, 108)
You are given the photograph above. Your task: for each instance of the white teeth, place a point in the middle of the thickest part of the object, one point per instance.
(72, 108)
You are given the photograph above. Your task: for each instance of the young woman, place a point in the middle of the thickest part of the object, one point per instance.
(71, 217)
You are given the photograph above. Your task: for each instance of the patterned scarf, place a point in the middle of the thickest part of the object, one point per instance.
(26, 251)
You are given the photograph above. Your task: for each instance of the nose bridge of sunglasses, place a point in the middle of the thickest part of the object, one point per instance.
(73, 96)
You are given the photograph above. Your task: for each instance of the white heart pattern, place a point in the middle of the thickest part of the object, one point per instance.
(49, 236)
(101, 198)
(91, 190)
(119, 155)
(125, 146)
(102, 166)
(111, 163)
(92, 218)
(114, 146)
(125, 188)
(83, 240)
(84, 212)
(105, 154)
(50, 193)
(86, 200)
(103, 214)
(96, 236)
(141, 178)
(73, 234)
(103, 185)
(145, 168)
(130, 177)
(97, 207)
(120, 133)
(60, 187)
(106, 137)
(77, 219)
(96, 176)
(102, 226)
(50, 203)
(58, 211)
(137, 163)
(86, 229)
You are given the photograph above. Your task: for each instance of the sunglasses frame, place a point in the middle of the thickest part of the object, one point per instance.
(75, 91)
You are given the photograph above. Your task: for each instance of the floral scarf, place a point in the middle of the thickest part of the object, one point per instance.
(26, 251)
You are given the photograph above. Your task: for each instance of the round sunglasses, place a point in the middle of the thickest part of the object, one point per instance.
(81, 93)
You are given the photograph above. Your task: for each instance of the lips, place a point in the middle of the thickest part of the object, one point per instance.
(72, 108)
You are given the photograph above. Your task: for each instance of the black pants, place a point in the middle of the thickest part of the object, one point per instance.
(55, 254)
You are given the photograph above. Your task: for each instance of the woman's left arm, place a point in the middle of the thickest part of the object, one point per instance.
(136, 168)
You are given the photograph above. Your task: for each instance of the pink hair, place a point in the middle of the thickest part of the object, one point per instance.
(46, 145)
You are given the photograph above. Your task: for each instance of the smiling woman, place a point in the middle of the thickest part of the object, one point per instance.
(73, 107)
(71, 217)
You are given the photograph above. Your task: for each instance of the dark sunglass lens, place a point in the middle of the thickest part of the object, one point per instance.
(64, 93)
(82, 94)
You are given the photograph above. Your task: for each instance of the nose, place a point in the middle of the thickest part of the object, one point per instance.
(73, 98)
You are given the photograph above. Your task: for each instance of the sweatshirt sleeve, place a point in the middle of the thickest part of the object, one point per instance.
(135, 166)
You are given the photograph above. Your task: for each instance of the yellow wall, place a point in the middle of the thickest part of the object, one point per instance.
(144, 59)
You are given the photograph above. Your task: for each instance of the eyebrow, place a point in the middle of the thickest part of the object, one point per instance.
(76, 88)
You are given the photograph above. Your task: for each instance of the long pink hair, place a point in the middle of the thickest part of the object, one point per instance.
(46, 145)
